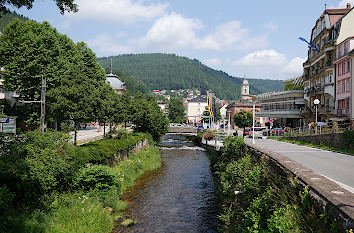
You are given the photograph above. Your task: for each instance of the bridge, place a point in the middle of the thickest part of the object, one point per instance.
(182, 130)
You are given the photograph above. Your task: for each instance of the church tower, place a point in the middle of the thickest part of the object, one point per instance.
(245, 89)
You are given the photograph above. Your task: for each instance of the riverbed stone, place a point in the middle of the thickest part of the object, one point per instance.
(128, 222)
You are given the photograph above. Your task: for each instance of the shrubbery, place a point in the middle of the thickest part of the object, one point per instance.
(37, 168)
(349, 139)
(254, 201)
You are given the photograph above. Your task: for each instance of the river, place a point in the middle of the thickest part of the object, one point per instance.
(179, 197)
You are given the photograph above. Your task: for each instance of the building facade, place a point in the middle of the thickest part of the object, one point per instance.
(196, 108)
(319, 69)
(344, 75)
(284, 105)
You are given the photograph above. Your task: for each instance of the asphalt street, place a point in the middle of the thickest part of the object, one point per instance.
(336, 166)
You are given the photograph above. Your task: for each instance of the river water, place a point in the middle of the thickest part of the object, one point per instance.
(178, 197)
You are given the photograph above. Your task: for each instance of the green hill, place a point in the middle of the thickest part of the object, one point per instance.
(169, 71)
(5, 19)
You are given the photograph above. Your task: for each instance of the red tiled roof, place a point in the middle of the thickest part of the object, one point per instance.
(335, 14)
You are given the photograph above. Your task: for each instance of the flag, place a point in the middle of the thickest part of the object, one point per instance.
(312, 45)
(214, 107)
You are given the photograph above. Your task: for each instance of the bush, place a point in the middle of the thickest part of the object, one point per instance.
(96, 177)
(233, 147)
(349, 138)
(6, 197)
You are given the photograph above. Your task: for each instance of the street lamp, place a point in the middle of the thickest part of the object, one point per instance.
(316, 103)
(229, 122)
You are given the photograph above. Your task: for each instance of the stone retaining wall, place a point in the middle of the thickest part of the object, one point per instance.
(123, 155)
(338, 202)
(334, 139)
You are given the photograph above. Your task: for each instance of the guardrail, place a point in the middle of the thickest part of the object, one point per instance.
(305, 131)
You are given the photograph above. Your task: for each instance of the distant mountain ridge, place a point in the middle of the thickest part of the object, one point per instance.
(169, 71)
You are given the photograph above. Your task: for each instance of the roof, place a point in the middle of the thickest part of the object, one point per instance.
(198, 99)
(113, 80)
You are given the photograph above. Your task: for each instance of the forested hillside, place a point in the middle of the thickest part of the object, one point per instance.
(8, 17)
(168, 71)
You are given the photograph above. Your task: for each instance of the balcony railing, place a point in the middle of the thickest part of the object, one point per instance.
(342, 112)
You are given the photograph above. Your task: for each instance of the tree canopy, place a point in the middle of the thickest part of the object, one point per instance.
(74, 80)
(176, 110)
(243, 119)
(63, 5)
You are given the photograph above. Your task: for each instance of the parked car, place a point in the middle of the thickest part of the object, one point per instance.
(266, 132)
(247, 131)
(277, 132)
(258, 132)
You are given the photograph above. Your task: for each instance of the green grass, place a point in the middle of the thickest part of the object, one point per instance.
(83, 212)
(312, 145)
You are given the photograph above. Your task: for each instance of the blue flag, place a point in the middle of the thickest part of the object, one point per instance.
(312, 45)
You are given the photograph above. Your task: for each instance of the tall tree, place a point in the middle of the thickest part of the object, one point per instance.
(243, 119)
(148, 117)
(176, 110)
(63, 5)
(124, 109)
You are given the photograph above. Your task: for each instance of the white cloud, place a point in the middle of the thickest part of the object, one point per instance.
(231, 35)
(343, 3)
(262, 58)
(294, 66)
(118, 11)
(212, 62)
(173, 31)
(170, 32)
(105, 45)
(271, 26)
(271, 61)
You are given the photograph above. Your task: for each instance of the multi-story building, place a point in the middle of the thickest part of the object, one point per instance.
(117, 85)
(344, 48)
(319, 69)
(196, 108)
(284, 105)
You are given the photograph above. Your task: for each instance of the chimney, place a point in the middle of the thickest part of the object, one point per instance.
(348, 5)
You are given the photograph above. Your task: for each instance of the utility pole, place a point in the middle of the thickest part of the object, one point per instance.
(42, 102)
(43, 92)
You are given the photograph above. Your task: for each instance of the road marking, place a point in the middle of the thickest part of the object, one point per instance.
(337, 192)
(347, 187)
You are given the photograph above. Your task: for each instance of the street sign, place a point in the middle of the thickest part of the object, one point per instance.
(5, 120)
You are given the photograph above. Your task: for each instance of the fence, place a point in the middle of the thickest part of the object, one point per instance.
(305, 131)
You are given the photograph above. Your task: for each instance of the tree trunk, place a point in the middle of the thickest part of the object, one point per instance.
(125, 125)
(104, 129)
(75, 134)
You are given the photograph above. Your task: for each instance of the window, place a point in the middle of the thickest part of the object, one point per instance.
(348, 66)
(346, 47)
(338, 87)
(343, 70)
(343, 86)
(348, 85)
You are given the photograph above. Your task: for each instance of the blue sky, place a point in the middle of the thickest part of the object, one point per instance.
(259, 38)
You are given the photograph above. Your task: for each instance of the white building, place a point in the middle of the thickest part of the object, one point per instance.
(195, 109)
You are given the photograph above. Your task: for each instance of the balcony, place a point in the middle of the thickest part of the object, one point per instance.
(325, 110)
(306, 112)
(329, 63)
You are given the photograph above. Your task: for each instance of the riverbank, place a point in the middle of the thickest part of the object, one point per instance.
(255, 199)
(53, 186)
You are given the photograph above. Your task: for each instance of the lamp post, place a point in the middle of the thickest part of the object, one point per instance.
(229, 123)
(316, 103)
(253, 118)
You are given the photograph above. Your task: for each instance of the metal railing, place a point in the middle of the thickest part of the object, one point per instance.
(306, 131)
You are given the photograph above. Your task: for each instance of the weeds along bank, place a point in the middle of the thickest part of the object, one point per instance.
(49, 185)
(252, 200)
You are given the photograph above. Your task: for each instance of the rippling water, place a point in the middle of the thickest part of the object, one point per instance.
(179, 197)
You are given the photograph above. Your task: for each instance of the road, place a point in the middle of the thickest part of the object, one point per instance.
(88, 134)
(336, 166)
